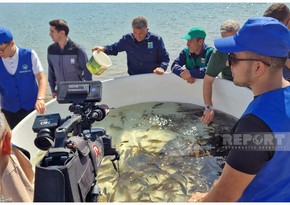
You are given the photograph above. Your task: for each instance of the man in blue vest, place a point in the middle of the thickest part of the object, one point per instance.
(257, 168)
(20, 68)
(194, 57)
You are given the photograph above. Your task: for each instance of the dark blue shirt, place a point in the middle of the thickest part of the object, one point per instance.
(142, 57)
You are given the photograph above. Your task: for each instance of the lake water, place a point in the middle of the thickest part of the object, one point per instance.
(104, 23)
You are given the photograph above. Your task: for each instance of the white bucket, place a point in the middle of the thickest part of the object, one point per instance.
(98, 63)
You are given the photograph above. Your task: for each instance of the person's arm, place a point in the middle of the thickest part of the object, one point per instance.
(185, 75)
(228, 188)
(51, 77)
(119, 46)
(216, 64)
(41, 81)
(83, 59)
(40, 101)
(208, 115)
(198, 73)
(178, 63)
(241, 165)
(163, 55)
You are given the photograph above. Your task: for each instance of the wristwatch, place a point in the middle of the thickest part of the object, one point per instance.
(40, 98)
(208, 107)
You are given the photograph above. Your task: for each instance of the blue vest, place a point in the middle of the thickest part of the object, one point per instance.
(18, 91)
(272, 183)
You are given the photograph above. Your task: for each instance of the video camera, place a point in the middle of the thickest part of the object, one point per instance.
(68, 171)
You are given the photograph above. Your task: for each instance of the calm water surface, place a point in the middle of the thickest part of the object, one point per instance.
(104, 23)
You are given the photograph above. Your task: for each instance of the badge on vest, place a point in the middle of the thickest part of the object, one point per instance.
(24, 69)
(72, 61)
(150, 45)
(202, 60)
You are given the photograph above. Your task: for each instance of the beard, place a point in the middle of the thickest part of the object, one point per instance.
(245, 80)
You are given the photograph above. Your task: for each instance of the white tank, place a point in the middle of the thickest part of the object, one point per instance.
(130, 90)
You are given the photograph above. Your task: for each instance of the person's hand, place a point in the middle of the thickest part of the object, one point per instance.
(158, 71)
(40, 106)
(207, 117)
(196, 197)
(191, 80)
(185, 74)
(53, 94)
(98, 49)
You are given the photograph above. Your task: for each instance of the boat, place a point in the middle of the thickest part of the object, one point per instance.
(130, 90)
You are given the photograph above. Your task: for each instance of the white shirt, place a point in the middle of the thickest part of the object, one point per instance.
(11, 63)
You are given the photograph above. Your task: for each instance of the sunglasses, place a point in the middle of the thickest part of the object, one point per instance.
(232, 60)
(3, 50)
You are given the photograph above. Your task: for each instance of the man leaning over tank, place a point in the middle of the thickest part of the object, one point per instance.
(257, 54)
(16, 184)
(216, 65)
(194, 57)
(146, 51)
(66, 59)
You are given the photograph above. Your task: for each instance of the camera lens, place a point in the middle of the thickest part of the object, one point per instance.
(44, 139)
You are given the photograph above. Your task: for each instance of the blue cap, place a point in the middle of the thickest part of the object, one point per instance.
(5, 35)
(261, 35)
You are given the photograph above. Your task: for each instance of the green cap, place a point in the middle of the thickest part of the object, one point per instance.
(195, 32)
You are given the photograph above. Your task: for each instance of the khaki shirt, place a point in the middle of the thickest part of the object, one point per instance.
(14, 185)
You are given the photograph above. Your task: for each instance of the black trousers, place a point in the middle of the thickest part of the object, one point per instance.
(13, 118)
